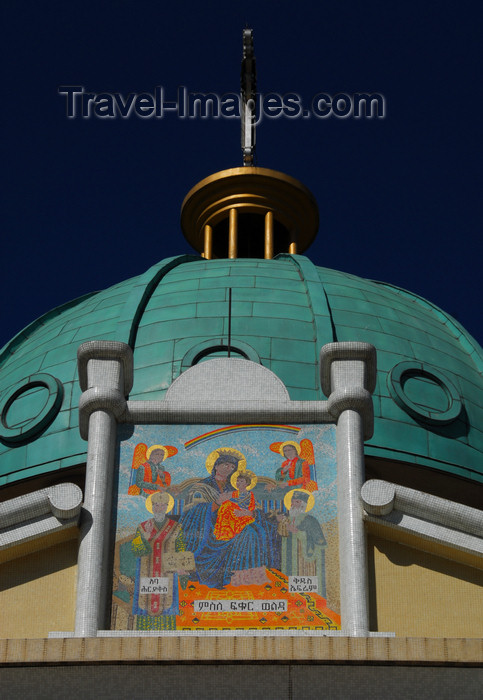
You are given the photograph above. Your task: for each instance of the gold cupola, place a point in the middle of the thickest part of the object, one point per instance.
(249, 212)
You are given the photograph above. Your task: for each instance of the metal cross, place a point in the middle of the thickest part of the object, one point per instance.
(248, 98)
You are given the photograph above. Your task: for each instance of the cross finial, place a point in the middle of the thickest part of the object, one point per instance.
(248, 98)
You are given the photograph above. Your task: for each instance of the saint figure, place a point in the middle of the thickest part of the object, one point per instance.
(152, 562)
(303, 542)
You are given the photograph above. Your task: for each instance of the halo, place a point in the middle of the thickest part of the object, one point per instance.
(289, 442)
(247, 472)
(287, 499)
(149, 505)
(157, 447)
(213, 456)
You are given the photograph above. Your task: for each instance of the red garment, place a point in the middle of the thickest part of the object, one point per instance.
(163, 481)
(227, 524)
(303, 480)
(157, 538)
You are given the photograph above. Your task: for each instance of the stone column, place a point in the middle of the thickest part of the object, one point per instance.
(105, 376)
(348, 375)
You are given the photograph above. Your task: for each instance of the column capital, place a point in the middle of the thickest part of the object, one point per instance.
(107, 350)
(348, 352)
(348, 378)
(105, 377)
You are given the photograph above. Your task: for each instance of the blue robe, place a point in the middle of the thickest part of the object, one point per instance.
(257, 545)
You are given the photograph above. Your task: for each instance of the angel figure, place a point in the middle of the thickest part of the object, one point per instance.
(148, 474)
(298, 467)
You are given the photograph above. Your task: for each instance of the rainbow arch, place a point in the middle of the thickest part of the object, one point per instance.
(226, 430)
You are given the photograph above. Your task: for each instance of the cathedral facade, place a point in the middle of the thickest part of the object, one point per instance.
(241, 471)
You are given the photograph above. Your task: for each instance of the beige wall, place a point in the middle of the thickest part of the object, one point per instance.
(37, 593)
(416, 593)
(413, 593)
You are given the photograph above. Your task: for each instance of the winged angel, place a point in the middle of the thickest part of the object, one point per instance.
(148, 474)
(298, 467)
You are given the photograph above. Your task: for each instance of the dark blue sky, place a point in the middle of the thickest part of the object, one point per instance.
(90, 202)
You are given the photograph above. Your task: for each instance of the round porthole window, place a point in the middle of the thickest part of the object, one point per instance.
(29, 407)
(424, 392)
(210, 349)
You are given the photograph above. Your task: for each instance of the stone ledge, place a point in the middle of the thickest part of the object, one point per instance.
(417, 651)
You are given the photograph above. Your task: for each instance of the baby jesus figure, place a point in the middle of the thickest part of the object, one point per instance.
(236, 513)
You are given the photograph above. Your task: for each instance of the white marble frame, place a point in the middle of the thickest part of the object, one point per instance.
(219, 391)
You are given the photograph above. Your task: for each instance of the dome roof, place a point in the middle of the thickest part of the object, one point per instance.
(428, 396)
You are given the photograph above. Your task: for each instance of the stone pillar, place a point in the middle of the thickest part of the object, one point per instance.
(105, 376)
(348, 375)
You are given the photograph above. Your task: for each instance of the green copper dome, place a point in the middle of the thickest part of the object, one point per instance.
(427, 401)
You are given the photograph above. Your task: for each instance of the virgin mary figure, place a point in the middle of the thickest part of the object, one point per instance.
(241, 559)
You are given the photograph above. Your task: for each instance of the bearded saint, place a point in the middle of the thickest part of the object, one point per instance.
(157, 551)
(303, 542)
